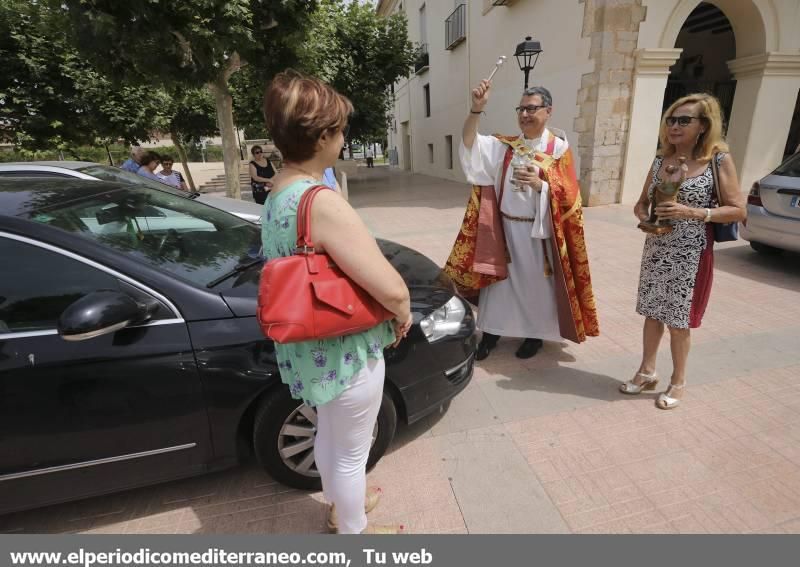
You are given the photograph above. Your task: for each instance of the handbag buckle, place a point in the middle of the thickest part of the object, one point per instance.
(304, 250)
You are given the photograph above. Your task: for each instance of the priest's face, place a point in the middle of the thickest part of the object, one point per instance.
(532, 115)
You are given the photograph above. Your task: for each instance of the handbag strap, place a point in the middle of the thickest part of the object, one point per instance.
(304, 217)
(715, 179)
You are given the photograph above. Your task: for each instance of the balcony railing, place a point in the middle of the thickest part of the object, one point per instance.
(423, 59)
(455, 27)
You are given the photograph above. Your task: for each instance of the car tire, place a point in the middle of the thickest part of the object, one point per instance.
(278, 410)
(765, 249)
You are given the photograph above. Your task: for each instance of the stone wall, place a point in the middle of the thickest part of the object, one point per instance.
(604, 98)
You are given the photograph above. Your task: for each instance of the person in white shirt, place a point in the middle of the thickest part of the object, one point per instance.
(169, 176)
(370, 155)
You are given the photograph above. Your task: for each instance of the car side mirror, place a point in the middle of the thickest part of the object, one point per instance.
(100, 313)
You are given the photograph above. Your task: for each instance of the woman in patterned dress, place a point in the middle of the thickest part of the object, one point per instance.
(342, 377)
(677, 267)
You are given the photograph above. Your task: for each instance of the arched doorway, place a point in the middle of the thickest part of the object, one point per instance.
(707, 43)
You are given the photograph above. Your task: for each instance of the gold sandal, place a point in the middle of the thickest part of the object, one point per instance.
(665, 401)
(632, 388)
(371, 500)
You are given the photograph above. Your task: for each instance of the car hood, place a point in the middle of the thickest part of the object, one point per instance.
(429, 286)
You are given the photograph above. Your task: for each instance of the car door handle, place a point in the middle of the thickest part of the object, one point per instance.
(788, 191)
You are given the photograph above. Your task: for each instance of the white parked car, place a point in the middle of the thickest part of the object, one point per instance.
(773, 210)
(98, 172)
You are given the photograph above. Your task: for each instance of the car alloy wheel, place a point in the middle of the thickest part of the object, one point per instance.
(284, 432)
(296, 440)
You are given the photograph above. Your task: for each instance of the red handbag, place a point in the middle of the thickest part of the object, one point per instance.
(306, 297)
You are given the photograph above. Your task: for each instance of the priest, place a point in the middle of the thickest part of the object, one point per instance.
(521, 246)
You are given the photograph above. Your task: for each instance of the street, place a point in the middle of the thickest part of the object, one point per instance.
(548, 445)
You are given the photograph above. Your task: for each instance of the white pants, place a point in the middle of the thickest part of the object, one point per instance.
(341, 450)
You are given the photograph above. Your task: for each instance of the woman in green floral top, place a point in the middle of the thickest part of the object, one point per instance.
(342, 377)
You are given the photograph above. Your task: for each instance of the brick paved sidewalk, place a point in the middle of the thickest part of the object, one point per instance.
(548, 444)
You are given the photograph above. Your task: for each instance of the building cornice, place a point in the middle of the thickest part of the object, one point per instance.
(775, 63)
(656, 61)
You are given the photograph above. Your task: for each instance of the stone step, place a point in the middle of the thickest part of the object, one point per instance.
(218, 183)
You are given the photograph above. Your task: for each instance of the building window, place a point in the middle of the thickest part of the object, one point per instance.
(430, 153)
(423, 25)
(426, 91)
(455, 27)
(448, 151)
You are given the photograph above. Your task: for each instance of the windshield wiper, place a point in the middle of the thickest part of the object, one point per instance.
(240, 267)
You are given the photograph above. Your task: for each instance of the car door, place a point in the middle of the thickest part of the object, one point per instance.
(91, 416)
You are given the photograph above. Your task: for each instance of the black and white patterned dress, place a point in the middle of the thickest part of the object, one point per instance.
(677, 267)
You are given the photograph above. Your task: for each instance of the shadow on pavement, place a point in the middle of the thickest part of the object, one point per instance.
(568, 381)
(779, 270)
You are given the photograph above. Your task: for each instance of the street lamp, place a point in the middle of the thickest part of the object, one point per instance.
(527, 55)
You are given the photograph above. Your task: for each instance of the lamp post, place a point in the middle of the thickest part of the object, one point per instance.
(527, 55)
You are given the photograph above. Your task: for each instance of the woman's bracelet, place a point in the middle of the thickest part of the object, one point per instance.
(708, 216)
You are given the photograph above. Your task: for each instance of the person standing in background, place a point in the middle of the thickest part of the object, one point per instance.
(370, 155)
(261, 171)
(134, 162)
(170, 176)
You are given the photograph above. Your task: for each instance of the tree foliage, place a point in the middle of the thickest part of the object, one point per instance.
(194, 44)
(361, 54)
(50, 97)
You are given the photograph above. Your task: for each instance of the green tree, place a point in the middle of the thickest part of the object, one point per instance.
(194, 44)
(190, 116)
(361, 54)
(50, 97)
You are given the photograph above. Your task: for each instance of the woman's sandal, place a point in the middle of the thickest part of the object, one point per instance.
(384, 530)
(370, 501)
(665, 401)
(632, 388)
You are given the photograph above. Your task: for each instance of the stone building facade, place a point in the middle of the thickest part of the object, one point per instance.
(612, 66)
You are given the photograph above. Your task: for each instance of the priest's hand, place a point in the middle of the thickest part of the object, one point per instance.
(480, 96)
(528, 177)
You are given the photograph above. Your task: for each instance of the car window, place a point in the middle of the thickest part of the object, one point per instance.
(790, 167)
(108, 173)
(44, 283)
(187, 238)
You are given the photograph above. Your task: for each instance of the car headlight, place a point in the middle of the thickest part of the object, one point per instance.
(445, 321)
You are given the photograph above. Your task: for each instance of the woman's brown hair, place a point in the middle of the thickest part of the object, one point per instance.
(298, 109)
(709, 142)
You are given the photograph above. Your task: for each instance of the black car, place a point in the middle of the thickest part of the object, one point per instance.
(130, 352)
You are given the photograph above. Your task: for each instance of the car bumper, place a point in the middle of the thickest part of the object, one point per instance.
(426, 375)
(773, 230)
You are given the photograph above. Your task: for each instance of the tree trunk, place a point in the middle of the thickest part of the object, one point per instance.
(176, 139)
(230, 154)
(110, 159)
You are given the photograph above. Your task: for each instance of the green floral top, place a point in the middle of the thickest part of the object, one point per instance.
(316, 371)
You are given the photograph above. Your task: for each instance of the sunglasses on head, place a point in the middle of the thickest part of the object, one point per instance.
(682, 121)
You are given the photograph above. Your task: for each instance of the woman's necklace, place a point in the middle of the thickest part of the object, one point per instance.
(303, 171)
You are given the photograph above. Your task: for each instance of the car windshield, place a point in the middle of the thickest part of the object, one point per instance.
(184, 237)
(790, 167)
(108, 173)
